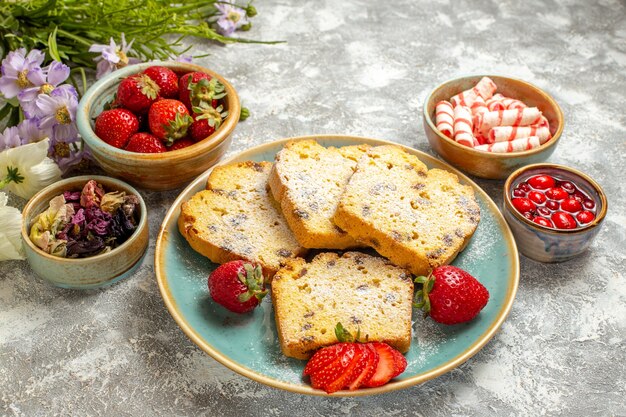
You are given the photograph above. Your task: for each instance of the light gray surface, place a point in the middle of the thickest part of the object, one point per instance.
(364, 68)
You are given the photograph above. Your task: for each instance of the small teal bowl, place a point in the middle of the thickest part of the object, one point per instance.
(545, 244)
(85, 273)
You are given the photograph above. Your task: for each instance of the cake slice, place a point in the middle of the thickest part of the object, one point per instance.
(308, 180)
(362, 292)
(418, 218)
(237, 218)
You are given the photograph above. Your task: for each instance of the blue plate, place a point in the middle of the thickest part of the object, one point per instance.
(248, 344)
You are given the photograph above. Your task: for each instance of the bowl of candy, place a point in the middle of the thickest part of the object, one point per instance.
(554, 211)
(158, 125)
(489, 126)
(85, 232)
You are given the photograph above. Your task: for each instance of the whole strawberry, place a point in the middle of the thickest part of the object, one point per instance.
(206, 120)
(165, 78)
(137, 93)
(238, 286)
(450, 295)
(196, 87)
(145, 143)
(169, 120)
(116, 126)
(180, 144)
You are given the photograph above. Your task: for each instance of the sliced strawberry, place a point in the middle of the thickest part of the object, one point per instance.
(386, 367)
(354, 369)
(323, 378)
(400, 362)
(323, 357)
(371, 362)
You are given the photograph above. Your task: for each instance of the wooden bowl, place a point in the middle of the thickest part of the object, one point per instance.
(158, 171)
(486, 164)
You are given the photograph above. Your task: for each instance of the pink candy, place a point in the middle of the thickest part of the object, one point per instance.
(515, 145)
(444, 118)
(490, 122)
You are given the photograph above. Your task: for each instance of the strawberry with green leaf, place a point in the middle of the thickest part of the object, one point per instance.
(137, 93)
(169, 120)
(450, 295)
(238, 286)
(197, 87)
(207, 120)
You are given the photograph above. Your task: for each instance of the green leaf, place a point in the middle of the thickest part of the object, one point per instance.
(342, 334)
(52, 45)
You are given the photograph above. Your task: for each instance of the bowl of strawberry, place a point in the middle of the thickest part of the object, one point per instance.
(554, 211)
(158, 125)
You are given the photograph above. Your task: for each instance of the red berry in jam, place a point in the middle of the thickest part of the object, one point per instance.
(523, 186)
(556, 193)
(523, 205)
(589, 204)
(542, 211)
(552, 205)
(567, 186)
(579, 196)
(585, 217)
(563, 220)
(543, 221)
(528, 215)
(537, 197)
(519, 193)
(541, 182)
(571, 205)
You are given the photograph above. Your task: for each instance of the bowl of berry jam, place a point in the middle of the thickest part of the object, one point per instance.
(554, 211)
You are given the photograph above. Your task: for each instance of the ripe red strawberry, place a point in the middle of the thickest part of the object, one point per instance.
(137, 93)
(206, 120)
(237, 285)
(352, 364)
(323, 357)
(165, 78)
(180, 144)
(326, 376)
(386, 368)
(116, 126)
(145, 143)
(196, 87)
(450, 295)
(169, 120)
(371, 357)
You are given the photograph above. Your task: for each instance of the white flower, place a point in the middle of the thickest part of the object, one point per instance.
(27, 169)
(10, 235)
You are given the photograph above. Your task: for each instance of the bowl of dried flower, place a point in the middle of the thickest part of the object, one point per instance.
(85, 232)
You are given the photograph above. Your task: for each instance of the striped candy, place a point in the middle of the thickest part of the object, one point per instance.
(513, 117)
(507, 133)
(479, 106)
(516, 145)
(444, 118)
(485, 89)
(463, 126)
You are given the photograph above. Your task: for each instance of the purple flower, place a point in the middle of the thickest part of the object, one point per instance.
(30, 132)
(15, 69)
(230, 18)
(112, 56)
(10, 138)
(184, 58)
(43, 81)
(79, 159)
(57, 113)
